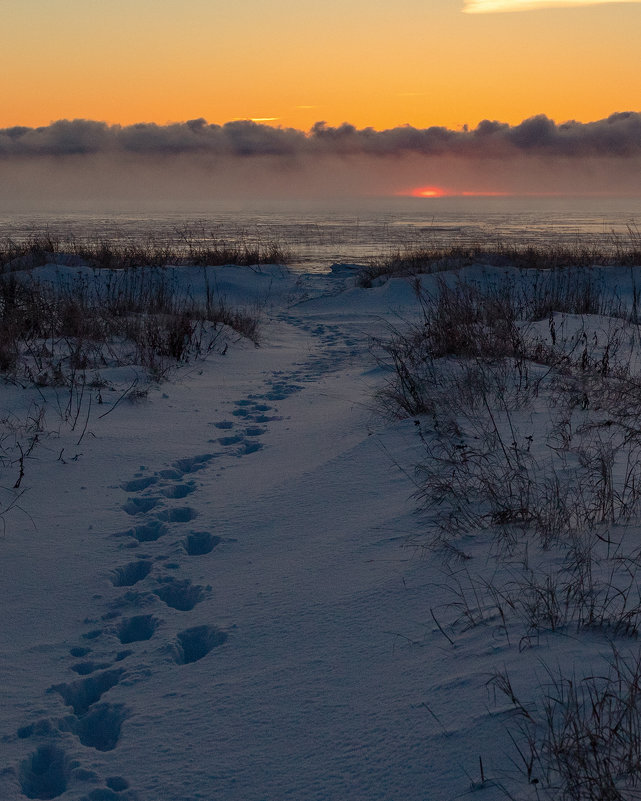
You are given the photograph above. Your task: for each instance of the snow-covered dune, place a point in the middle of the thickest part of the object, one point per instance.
(209, 594)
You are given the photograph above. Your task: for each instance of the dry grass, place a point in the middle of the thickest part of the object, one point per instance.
(581, 741)
(475, 369)
(48, 332)
(60, 342)
(416, 261)
(186, 247)
(527, 400)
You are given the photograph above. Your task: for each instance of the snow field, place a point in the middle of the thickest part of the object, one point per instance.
(213, 595)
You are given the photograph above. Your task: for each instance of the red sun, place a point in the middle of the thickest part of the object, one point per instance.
(439, 191)
(428, 191)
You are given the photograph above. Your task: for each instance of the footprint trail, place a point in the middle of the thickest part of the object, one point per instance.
(144, 604)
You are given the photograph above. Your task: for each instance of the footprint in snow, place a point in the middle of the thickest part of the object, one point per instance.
(82, 694)
(194, 644)
(117, 784)
(139, 484)
(180, 595)
(263, 418)
(232, 440)
(177, 491)
(181, 514)
(146, 532)
(193, 463)
(254, 431)
(109, 794)
(171, 474)
(46, 773)
(128, 575)
(248, 447)
(139, 506)
(97, 723)
(99, 727)
(199, 543)
(137, 629)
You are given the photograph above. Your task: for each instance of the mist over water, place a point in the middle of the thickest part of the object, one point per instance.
(320, 233)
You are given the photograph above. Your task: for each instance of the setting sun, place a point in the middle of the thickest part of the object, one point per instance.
(440, 191)
(426, 191)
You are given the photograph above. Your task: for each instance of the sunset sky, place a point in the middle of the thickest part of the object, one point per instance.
(292, 63)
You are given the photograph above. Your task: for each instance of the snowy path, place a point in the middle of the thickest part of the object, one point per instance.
(208, 596)
(220, 607)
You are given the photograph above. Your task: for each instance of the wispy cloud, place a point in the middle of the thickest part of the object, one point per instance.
(494, 6)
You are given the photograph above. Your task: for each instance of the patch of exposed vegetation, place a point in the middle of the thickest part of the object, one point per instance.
(416, 261)
(186, 247)
(526, 396)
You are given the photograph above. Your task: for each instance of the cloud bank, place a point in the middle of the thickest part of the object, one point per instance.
(88, 163)
(618, 135)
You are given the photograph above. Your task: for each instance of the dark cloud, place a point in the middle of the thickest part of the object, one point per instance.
(84, 164)
(618, 136)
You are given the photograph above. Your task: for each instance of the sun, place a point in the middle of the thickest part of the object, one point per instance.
(441, 191)
(428, 191)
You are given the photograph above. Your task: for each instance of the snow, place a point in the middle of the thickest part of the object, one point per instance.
(213, 593)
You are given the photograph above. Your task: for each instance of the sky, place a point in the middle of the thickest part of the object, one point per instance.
(291, 64)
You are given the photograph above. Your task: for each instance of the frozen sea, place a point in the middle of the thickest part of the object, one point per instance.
(321, 233)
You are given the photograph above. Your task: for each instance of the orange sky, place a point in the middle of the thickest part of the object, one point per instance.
(369, 62)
